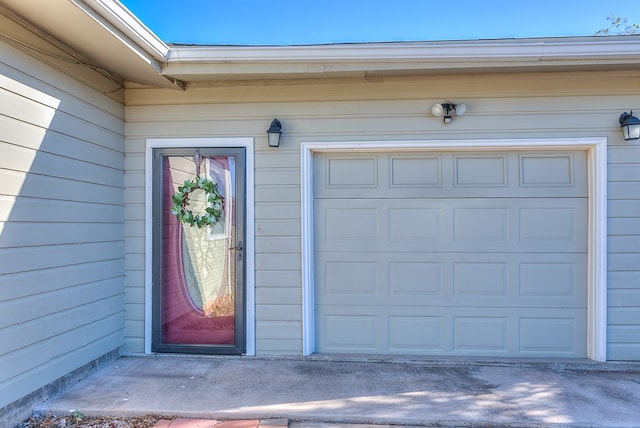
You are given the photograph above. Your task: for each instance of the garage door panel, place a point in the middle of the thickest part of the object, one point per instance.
(452, 225)
(554, 223)
(410, 333)
(480, 334)
(480, 170)
(552, 170)
(351, 277)
(355, 224)
(416, 279)
(351, 331)
(454, 331)
(558, 279)
(482, 281)
(423, 175)
(351, 172)
(419, 171)
(462, 253)
(479, 225)
(382, 330)
(545, 335)
(458, 279)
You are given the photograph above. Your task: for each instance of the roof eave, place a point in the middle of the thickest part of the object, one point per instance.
(213, 62)
(126, 22)
(103, 33)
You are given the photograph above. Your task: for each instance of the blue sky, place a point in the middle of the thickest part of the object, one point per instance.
(290, 22)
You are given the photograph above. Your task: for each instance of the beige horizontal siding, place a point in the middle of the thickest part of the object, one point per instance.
(278, 313)
(135, 244)
(519, 85)
(278, 210)
(39, 210)
(525, 105)
(421, 125)
(40, 282)
(279, 278)
(23, 259)
(16, 158)
(278, 294)
(277, 159)
(28, 234)
(283, 227)
(274, 245)
(269, 346)
(62, 189)
(35, 321)
(29, 136)
(61, 224)
(623, 332)
(38, 366)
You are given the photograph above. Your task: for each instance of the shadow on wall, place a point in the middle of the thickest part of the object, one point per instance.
(61, 229)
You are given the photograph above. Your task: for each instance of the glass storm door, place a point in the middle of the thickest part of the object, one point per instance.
(198, 273)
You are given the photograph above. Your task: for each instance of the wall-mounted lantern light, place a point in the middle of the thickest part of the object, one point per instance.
(446, 108)
(274, 132)
(630, 126)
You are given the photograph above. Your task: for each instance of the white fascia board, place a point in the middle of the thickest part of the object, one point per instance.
(602, 48)
(348, 52)
(113, 16)
(487, 53)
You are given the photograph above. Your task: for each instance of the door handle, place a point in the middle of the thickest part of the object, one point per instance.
(238, 247)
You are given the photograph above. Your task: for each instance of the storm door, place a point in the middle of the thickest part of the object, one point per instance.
(198, 268)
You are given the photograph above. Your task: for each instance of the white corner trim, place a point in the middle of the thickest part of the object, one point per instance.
(597, 243)
(248, 144)
(597, 276)
(148, 245)
(308, 316)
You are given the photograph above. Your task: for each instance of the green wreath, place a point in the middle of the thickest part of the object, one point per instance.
(212, 214)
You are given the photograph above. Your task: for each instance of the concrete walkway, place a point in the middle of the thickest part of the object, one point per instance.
(310, 393)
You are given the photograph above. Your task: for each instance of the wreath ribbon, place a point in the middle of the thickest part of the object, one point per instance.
(212, 214)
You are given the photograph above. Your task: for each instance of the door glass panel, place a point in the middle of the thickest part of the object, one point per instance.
(199, 281)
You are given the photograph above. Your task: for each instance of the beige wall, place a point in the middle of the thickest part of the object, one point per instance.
(61, 221)
(542, 105)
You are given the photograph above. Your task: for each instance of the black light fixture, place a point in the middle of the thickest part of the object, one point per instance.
(630, 126)
(274, 132)
(446, 108)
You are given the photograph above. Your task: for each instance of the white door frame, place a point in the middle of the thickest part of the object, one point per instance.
(249, 260)
(596, 149)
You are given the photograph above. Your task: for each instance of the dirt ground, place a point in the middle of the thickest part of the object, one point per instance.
(76, 420)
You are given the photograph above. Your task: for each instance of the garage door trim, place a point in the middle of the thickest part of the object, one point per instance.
(596, 251)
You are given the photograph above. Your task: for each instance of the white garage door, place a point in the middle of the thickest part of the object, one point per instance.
(481, 254)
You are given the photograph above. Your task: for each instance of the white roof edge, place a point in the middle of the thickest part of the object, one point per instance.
(126, 22)
(557, 49)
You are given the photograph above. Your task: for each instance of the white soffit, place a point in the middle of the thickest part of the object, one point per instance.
(102, 31)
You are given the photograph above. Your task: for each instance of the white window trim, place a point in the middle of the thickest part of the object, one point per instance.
(246, 143)
(596, 149)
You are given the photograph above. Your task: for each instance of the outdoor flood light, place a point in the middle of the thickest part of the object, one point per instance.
(447, 108)
(274, 132)
(630, 126)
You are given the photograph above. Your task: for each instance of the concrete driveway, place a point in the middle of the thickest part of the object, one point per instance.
(360, 391)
